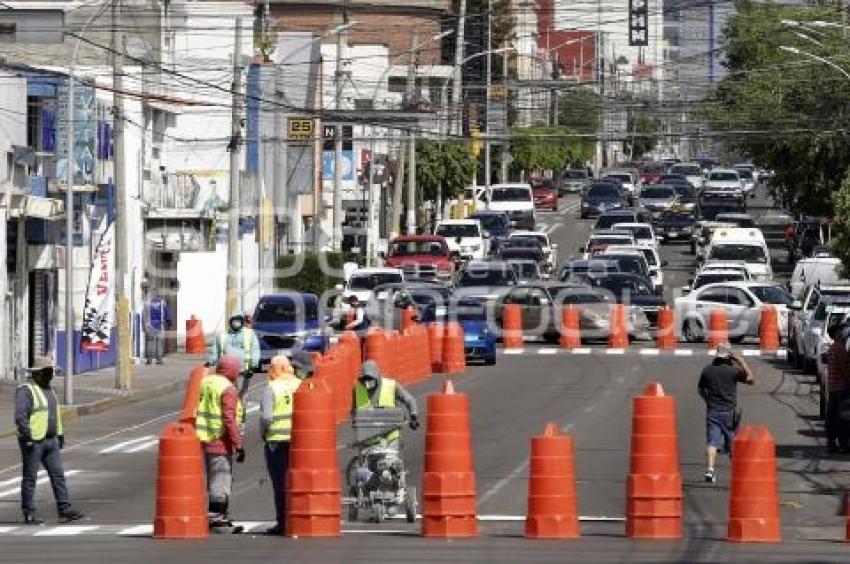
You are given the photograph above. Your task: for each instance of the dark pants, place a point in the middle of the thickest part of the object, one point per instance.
(45, 453)
(836, 432)
(154, 345)
(277, 463)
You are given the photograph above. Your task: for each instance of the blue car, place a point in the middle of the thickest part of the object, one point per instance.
(479, 340)
(601, 197)
(496, 225)
(282, 321)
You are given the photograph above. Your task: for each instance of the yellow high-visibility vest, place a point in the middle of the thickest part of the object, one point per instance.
(386, 398)
(208, 422)
(280, 428)
(39, 416)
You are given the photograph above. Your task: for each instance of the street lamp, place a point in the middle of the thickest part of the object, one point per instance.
(814, 57)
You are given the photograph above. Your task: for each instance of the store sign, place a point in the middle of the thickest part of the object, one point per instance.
(99, 308)
(85, 135)
(638, 23)
(300, 128)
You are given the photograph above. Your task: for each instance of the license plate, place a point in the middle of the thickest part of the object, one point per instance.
(672, 234)
(440, 311)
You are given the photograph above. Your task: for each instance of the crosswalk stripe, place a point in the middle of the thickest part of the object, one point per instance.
(67, 531)
(124, 444)
(547, 351)
(144, 446)
(615, 351)
(17, 490)
(513, 351)
(683, 352)
(17, 480)
(650, 352)
(136, 531)
(7, 529)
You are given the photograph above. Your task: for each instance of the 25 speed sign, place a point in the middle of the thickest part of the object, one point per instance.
(300, 128)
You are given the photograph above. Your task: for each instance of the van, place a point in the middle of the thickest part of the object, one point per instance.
(821, 270)
(517, 200)
(746, 245)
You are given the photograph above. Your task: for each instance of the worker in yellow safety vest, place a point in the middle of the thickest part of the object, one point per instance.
(373, 391)
(240, 341)
(276, 411)
(41, 437)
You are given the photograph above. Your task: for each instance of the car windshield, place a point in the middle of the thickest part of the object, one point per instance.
(541, 239)
(453, 230)
(772, 295)
(836, 317)
(526, 270)
(710, 213)
(579, 296)
(657, 193)
(619, 285)
(673, 217)
(603, 191)
(491, 223)
(621, 176)
(639, 231)
(370, 281)
(408, 248)
(522, 242)
(649, 256)
(685, 191)
(631, 263)
(286, 311)
(724, 176)
(687, 170)
(607, 221)
(744, 253)
(470, 311)
(610, 240)
(510, 195)
(739, 220)
(575, 174)
(714, 278)
(745, 174)
(486, 277)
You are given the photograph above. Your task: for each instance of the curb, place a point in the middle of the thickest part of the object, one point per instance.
(69, 413)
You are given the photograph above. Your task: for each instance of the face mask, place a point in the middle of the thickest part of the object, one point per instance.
(236, 325)
(370, 384)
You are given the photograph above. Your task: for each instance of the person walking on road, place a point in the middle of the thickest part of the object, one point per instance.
(359, 321)
(241, 342)
(837, 385)
(41, 437)
(276, 408)
(155, 317)
(718, 387)
(375, 391)
(218, 428)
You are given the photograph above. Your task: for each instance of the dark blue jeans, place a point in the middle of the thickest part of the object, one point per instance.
(277, 462)
(45, 453)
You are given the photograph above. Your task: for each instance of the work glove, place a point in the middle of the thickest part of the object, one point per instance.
(414, 422)
(61, 441)
(240, 456)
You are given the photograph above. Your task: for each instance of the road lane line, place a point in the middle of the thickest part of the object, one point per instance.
(683, 352)
(495, 488)
(131, 442)
(650, 352)
(4, 530)
(38, 482)
(751, 352)
(513, 351)
(18, 479)
(581, 350)
(547, 351)
(67, 531)
(144, 446)
(136, 531)
(615, 351)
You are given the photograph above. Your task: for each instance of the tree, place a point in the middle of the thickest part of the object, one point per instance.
(447, 166)
(548, 148)
(643, 131)
(580, 109)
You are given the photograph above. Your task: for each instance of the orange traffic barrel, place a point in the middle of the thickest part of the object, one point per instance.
(718, 328)
(570, 328)
(181, 511)
(754, 491)
(435, 339)
(666, 329)
(454, 352)
(769, 328)
(552, 506)
(618, 331)
(195, 336)
(512, 326)
(193, 394)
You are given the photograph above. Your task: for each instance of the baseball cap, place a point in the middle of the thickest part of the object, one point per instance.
(723, 351)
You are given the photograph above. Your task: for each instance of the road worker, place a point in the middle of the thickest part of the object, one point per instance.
(375, 391)
(241, 342)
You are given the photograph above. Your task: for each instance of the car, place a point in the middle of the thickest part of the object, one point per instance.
(284, 321)
(744, 245)
(522, 248)
(816, 326)
(632, 290)
(657, 199)
(821, 270)
(545, 196)
(496, 225)
(835, 314)
(479, 339)
(734, 265)
(686, 196)
(430, 300)
(651, 172)
(362, 282)
(748, 179)
(541, 306)
(775, 226)
(741, 301)
(714, 276)
(709, 208)
(627, 215)
(724, 183)
(600, 197)
(643, 233)
(573, 180)
(653, 260)
(465, 237)
(600, 240)
(628, 179)
(484, 280)
(526, 270)
(802, 311)
(674, 226)
(633, 263)
(517, 200)
(706, 163)
(581, 270)
(549, 248)
(691, 171)
(737, 219)
(421, 257)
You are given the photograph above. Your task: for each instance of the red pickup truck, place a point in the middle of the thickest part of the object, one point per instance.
(426, 257)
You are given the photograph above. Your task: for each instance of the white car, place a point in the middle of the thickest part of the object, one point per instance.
(643, 233)
(726, 265)
(515, 199)
(746, 245)
(653, 260)
(742, 302)
(601, 240)
(802, 318)
(723, 183)
(834, 314)
(691, 171)
(630, 181)
(549, 248)
(824, 270)
(362, 283)
(465, 237)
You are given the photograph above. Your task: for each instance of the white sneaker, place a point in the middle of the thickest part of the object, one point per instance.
(710, 476)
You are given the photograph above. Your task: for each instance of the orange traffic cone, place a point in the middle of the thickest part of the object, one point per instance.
(313, 502)
(769, 329)
(512, 326)
(454, 353)
(180, 485)
(666, 332)
(718, 328)
(570, 328)
(195, 336)
(435, 338)
(448, 480)
(377, 348)
(192, 395)
(654, 485)
(618, 332)
(552, 506)
(754, 493)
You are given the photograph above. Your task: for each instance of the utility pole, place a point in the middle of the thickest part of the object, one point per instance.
(506, 142)
(487, 162)
(233, 291)
(411, 140)
(123, 366)
(458, 78)
(337, 195)
(398, 187)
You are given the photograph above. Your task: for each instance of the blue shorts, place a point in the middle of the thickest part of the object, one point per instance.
(720, 429)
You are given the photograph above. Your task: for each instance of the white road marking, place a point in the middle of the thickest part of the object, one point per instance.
(495, 488)
(751, 353)
(580, 350)
(589, 408)
(121, 446)
(144, 446)
(650, 352)
(67, 531)
(782, 353)
(615, 351)
(44, 480)
(547, 351)
(7, 529)
(137, 530)
(18, 479)
(513, 351)
(683, 352)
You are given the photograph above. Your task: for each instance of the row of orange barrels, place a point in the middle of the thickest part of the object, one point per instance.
(618, 333)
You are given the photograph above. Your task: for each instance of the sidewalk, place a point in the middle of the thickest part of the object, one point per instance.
(95, 391)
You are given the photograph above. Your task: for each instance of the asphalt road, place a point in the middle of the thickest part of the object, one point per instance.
(112, 462)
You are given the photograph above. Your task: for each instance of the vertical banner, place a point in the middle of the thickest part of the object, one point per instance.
(638, 23)
(99, 308)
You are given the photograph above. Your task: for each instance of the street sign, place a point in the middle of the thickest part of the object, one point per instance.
(329, 133)
(300, 128)
(497, 92)
(638, 23)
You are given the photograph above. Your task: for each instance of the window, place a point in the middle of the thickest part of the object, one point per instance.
(724, 176)
(537, 297)
(773, 295)
(739, 298)
(715, 295)
(603, 191)
(452, 230)
(657, 193)
(518, 296)
(511, 195)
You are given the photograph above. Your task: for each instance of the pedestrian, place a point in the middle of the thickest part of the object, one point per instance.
(239, 341)
(41, 437)
(375, 391)
(156, 318)
(837, 387)
(718, 387)
(218, 427)
(358, 321)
